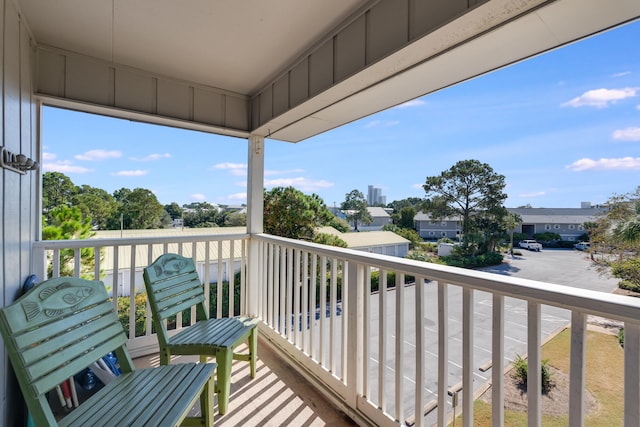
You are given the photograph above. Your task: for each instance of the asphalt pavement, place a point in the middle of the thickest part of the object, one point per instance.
(558, 266)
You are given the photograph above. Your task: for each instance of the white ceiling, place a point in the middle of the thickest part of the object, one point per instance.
(236, 45)
(242, 45)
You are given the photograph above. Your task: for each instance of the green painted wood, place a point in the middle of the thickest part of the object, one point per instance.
(173, 285)
(61, 326)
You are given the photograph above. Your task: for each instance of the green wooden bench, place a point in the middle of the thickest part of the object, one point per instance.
(173, 285)
(63, 325)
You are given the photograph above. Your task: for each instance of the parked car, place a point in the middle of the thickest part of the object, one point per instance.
(582, 246)
(531, 245)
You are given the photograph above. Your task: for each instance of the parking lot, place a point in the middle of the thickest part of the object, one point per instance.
(562, 266)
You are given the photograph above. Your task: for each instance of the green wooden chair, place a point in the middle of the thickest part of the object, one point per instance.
(63, 325)
(173, 285)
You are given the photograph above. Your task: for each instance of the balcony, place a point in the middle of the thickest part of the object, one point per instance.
(382, 358)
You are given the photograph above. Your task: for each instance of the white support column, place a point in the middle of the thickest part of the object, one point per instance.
(255, 210)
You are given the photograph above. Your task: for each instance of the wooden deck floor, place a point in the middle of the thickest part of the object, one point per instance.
(277, 396)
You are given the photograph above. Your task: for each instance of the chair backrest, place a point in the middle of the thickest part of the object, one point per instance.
(56, 330)
(173, 285)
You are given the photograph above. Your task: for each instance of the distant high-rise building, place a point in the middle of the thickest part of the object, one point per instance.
(375, 197)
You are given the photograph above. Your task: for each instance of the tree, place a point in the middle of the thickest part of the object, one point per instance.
(511, 221)
(97, 204)
(355, 208)
(290, 213)
(469, 189)
(67, 223)
(406, 217)
(139, 209)
(235, 219)
(202, 215)
(174, 210)
(57, 190)
(617, 230)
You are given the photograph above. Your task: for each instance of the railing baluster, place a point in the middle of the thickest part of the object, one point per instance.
(577, 372)
(534, 370)
(132, 292)
(114, 287)
(497, 364)
(443, 352)
(420, 352)
(631, 374)
(467, 357)
(219, 292)
(148, 319)
(96, 263)
(297, 321)
(230, 279)
(382, 339)
(77, 262)
(400, 346)
(56, 263)
(271, 284)
(323, 309)
(332, 322)
(282, 286)
(313, 307)
(290, 322)
(306, 307)
(367, 331)
(347, 316)
(207, 276)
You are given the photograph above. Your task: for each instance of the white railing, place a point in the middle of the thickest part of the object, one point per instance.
(392, 357)
(119, 263)
(395, 357)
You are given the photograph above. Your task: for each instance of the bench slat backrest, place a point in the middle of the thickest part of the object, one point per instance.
(173, 285)
(56, 330)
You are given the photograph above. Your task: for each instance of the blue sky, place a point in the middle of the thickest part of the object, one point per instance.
(563, 128)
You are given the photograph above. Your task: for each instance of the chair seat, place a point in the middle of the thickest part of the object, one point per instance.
(214, 334)
(161, 396)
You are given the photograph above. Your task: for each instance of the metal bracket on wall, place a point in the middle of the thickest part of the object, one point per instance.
(17, 162)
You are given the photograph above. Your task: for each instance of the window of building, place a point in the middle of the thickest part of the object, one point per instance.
(432, 233)
(572, 227)
(556, 226)
(443, 234)
(443, 223)
(547, 226)
(580, 228)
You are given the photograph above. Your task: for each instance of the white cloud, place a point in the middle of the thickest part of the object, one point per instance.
(417, 186)
(92, 155)
(381, 123)
(199, 197)
(237, 169)
(601, 98)
(137, 172)
(628, 134)
(48, 156)
(534, 194)
(623, 73)
(64, 167)
(151, 157)
(412, 103)
(237, 196)
(624, 163)
(282, 172)
(302, 184)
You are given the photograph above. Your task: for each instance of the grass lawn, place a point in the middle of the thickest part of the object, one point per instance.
(604, 379)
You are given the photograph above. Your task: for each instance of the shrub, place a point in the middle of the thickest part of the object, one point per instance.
(629, 271)
(391, 280)
(521, 368)
(621, 337)
(484, 260)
